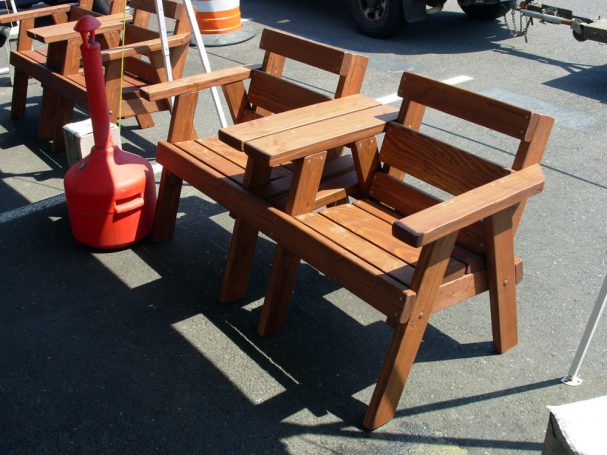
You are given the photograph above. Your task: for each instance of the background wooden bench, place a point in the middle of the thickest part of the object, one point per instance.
(63, 79)
(57, 14)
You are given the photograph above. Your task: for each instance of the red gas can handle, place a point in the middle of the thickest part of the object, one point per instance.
(129, 205)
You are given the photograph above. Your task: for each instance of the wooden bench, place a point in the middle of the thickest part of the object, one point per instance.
(63, 79)
(268, 92)
(27, 19)
(402, 250)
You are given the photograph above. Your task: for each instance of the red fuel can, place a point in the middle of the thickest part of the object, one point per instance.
(110, 194)
(110, 198)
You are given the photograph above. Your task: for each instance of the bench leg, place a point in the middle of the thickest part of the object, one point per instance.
(63, 115)
(48, 109)
(20, 81)
(166, 207)
(408, 336)
(280, 290)
(145, 120)
(240, 260)
(395, 371)
(502, 280)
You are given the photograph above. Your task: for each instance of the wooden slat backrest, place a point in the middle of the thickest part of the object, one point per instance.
(267, 94)
(278, 95)
(532, 129)
(139, 31)
(473, 107)
(172, 9)
(446, 167)
(331, 59)
(407, 151)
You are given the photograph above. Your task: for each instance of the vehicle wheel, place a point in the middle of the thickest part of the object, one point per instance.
(378, 18)
(485, 12)
(102, 6)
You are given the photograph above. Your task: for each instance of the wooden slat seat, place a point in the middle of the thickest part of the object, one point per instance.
(339, 178)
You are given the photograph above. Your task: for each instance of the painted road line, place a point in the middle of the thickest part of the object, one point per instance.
(44, 204)
(31, 208)
(394, 98)
(458, 80)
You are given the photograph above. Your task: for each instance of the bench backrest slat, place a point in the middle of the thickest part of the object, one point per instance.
(270, 92)
(473, 107)
(437, 163)
(278, 95)
(321, 56)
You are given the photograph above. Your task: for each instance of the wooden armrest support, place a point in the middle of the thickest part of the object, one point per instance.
(143, 47)
(197, 82)
(34, 13)
(450, 216)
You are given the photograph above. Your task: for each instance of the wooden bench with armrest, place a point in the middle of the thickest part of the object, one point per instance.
(63, 79)
(403, 251)
(268, 92)
(27, 19)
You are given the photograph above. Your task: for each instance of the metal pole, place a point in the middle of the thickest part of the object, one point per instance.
(572, 377)
(166, 55)
(199, 44)
(204, 58)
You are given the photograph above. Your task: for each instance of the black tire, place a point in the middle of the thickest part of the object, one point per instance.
(102, 6)
(378, 18)
(485, 12)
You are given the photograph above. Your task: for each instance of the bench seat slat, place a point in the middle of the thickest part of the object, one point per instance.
(474, 262)
(379, 232)
(365, 250)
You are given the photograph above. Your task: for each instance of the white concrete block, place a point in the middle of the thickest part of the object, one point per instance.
(79, 139)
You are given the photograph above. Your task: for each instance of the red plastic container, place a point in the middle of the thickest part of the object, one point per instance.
(111, 194)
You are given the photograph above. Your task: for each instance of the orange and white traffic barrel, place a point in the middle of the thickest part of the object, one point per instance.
(220, 23)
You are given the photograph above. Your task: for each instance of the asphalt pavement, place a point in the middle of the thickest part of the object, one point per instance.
(130, 352)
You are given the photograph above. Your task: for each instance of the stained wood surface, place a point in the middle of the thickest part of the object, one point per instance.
(435, 162)
(451, 215)
(238, 135)
(294, 143)
(196, 83)
(319, 55)
(277, 95)
(33, 13)
(65, 31)
(465, 104)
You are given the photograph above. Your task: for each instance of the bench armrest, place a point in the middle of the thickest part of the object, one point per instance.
(34, 13)
(467, 208)
(197, 82)
(142, 47)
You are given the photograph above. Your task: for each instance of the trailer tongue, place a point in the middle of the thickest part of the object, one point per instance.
(583, 28)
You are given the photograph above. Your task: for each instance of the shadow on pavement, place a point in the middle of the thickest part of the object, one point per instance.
(114, 351)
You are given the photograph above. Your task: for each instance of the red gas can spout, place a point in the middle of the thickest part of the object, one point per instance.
(95, 84)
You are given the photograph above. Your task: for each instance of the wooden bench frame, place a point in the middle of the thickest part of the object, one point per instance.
(59, 14)
(474, 230)
(62, 76)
